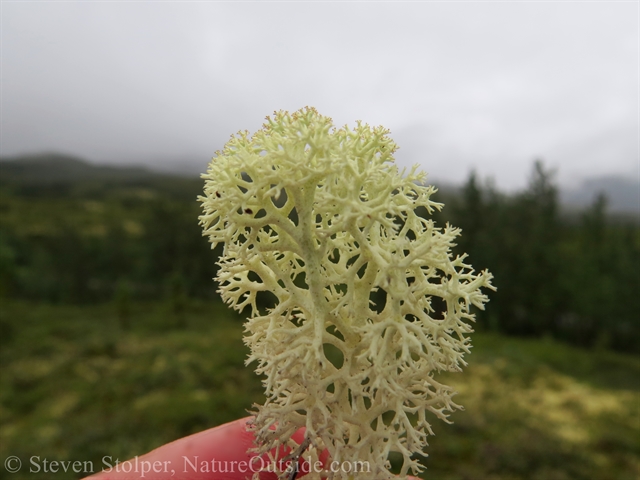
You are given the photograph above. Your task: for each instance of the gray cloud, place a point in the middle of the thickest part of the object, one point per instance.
(489, 86)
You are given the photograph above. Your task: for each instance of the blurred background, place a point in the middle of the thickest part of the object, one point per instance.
(525, 115)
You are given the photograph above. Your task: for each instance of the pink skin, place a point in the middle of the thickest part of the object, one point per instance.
(190, 458)
(226, 443)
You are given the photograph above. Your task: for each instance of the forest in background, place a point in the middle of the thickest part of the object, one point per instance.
(74, 233)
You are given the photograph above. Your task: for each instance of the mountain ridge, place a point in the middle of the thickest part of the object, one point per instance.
(51, 168)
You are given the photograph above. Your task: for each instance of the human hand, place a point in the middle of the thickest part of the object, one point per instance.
(214, 454)
(219, 453)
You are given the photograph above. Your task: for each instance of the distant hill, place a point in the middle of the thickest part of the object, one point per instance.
(53, 174)
(58, 168)
(623, 194)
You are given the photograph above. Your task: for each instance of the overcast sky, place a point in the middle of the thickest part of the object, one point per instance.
(488, 86)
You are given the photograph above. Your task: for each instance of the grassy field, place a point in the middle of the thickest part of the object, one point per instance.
(77, 385)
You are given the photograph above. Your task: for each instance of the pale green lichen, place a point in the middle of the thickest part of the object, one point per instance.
(321, 218)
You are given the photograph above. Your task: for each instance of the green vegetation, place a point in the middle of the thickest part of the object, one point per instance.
(73, 233)
(75, 385)
(78, 237)
(574, 277)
